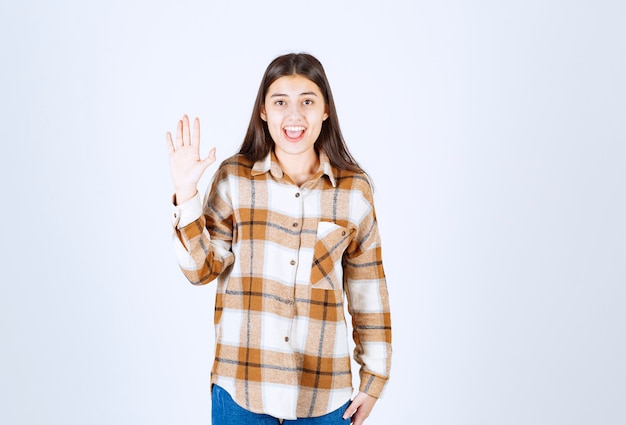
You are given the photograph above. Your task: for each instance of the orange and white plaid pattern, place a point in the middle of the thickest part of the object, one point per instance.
(286, 258)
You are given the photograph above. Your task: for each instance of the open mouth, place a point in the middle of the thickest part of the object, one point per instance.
(294, 133)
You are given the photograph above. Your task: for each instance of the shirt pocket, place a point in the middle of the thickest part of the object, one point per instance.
(330, 244)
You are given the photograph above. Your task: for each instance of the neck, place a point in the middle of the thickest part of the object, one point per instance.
(300, 168)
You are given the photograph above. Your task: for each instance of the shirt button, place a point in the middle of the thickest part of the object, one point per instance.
(298, 195)
(286, 339)
(292, 262)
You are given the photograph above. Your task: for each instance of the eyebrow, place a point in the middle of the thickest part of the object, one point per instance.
(306, 93)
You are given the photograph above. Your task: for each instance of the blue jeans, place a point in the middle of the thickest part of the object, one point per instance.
(226, 412)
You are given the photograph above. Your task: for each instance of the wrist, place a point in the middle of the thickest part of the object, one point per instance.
(184, 194)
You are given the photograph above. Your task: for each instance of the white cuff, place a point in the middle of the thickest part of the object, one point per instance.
(187, 212)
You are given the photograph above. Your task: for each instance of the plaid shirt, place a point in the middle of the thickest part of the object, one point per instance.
(284, 257)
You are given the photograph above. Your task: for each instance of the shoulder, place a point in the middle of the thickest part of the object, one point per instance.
(235, 165)
(354, 181)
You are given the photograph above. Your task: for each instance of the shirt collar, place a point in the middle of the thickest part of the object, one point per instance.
(270, 164)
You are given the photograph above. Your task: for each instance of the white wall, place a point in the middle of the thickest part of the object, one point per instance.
(494, 132)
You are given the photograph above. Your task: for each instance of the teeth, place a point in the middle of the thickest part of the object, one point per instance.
(295, 128)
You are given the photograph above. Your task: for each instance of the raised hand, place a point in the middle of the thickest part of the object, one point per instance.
(186, 166)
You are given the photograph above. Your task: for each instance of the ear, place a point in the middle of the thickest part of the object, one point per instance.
(326, 109)
(263, 114)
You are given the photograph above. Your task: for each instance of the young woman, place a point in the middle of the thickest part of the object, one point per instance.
(289, 231)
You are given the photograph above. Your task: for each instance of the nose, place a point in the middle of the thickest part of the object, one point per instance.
(295, 110)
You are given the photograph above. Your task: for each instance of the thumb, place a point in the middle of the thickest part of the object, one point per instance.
(210, 159)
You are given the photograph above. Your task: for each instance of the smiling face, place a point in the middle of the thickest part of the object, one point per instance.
(294, 110)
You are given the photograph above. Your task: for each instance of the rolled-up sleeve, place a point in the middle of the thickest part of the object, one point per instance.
(201, 257)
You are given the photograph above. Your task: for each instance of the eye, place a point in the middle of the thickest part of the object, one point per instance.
(308, 102)
(279, 103)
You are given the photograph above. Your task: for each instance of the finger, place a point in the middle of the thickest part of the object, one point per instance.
(351, 410)
(195, 137)
(210, 159)
(358, 416)
(170, 144)
(211, 156)
(357, 419)
(186, 137)
(179, 133)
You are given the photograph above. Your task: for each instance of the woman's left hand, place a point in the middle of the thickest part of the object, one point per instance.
(360, 408)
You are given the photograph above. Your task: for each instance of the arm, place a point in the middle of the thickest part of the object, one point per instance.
(202, 242)
(368, 304)
(200, 258)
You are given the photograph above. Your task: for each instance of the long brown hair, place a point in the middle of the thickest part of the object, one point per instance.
(258, 143)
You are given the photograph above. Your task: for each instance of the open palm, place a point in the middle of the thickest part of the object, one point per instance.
(186, 166)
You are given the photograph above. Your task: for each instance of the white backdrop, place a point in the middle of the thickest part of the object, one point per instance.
(494, 131)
